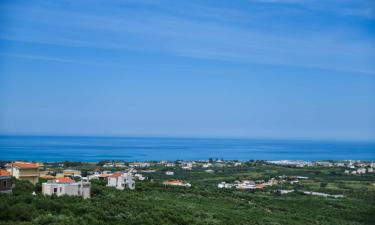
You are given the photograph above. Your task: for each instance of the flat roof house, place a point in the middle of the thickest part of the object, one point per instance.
(121, 181)
(176, 183)
(66, 186)
(25, 171)
(70, 172)
(5, 182)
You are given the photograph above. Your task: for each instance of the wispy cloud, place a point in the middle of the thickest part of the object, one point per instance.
(48, 58)
(182, 35)
(359, 8)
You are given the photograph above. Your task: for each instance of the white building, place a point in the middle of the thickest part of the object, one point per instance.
(139, 176)
(139, 164)
(170, 173)
(283, 192)
(246, 184)
(187, 165)
(66, 186)
(322, 194)
(224, 185)
(207, 165)
(361, 171)
(121, 181)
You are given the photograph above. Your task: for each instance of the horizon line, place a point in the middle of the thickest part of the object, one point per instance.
(187, 137)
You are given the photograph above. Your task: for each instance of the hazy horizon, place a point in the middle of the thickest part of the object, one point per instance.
(151, 136)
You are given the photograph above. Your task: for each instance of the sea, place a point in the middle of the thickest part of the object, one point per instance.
(93, 149)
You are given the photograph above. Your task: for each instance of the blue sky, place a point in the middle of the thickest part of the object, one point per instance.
(250, 68)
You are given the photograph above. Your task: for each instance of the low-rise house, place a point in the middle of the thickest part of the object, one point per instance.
(207, 165)
(325, 164)
(5, 182)
(283, 192)
(186, 168)
(147, 171)
(93, 177)
(177, 183)
(140, 164)
(243, 185)
(219, 164)
(246, 184)
(187, 165)
(44, 172)
(104, 176)
(109, 164)
(361, 171)
(121, 181)
(47, 177)
(120, 165)
(25, 171)
(139, 176)
(322, 194)
(271, 182)
(66, 186)
(224, 185)
(71, 173)
(294, 181)
(59, 175)
(170, 173)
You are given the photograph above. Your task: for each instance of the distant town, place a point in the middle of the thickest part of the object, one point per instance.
(212, 191)
(63, 178)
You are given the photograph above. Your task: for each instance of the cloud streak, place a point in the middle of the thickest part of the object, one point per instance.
(182, 35)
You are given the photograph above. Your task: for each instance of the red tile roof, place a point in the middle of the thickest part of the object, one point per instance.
(25, 165)
(64, 180)
(4, 173)
(116, 174)
(104, 175)
(173, 182)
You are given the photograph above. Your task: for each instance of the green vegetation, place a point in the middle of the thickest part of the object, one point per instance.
(203, 203)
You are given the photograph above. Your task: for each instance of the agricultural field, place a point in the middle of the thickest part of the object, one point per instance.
(203, 203)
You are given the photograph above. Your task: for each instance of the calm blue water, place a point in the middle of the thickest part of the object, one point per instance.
(52, 148)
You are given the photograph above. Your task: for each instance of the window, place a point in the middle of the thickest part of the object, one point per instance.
(55, 190)
(60, 189)
(5, 184)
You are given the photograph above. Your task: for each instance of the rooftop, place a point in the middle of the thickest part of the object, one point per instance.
(64, 180)
(25, 165)
(116, 175)
(4, 173)
(173, 182)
